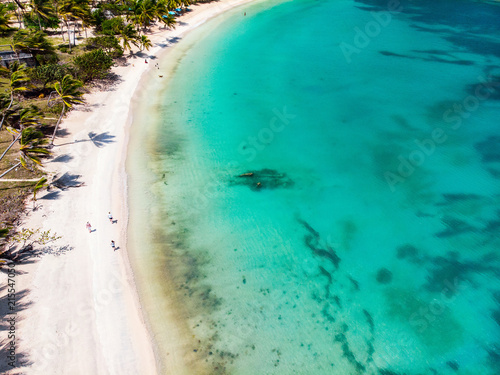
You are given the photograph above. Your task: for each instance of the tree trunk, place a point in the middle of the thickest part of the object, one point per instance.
(69, 37)
(39, 23)
(57, 125)
(20, 18)
(10, 169)
(10, 146)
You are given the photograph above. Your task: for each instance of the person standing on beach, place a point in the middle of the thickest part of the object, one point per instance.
(113, 245)
(110, 217)
(89, 227)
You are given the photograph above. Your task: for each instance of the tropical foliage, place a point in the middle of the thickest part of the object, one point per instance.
(108, 43)
(18, 80)
(47, 74)
(67, 44)
(42, 12)
(69, 93)
(92, 65)
(31, 148)
(22, 242)
(5, 17)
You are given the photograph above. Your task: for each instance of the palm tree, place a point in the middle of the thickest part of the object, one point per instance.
(168, 20)
(68, 91)
(41, 183)
(31, 143)
(161, 13)
(20, 14)
(22, 117)
(172, 4)
(5, 17)
(40, 9)
(142, 13)
(17, 135)
(145, 43)
(82, 12)
(29, 116)
(17, 44)
(128, 35)
(68, 11)
(31, 41)
(17, 83)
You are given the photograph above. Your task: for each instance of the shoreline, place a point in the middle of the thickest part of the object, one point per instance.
(167, 319)
(80, 312)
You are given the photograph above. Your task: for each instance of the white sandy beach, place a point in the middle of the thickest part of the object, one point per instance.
(83, 314)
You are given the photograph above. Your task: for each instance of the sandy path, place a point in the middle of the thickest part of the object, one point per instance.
(83, 314)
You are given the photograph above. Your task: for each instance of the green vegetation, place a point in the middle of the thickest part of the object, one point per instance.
(92, 65)
(68, 92)
(45, 75)
(108, 43)
(5, 17)
(22, 242)
(35, 99)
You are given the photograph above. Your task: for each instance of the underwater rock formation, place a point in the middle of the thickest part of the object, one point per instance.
(407, 251)
(384, 276)
(454, 227)
(262, 179)
(346, 350)
(489, 149)
(313, 240)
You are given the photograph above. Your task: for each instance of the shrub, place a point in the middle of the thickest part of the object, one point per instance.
(109, 44)
(55, 109)
(97, 17)
(112, 26)
(63, 47)
(46, 74)
(92, 65)
(32, 22)
(105, 11)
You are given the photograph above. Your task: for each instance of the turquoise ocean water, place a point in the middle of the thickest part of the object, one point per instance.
(364, 238)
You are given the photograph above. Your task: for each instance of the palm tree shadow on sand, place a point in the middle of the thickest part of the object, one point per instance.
(21, 304)
(67, 180)
(108, 83)
(100, 140)
(24, 255)
(62, 159)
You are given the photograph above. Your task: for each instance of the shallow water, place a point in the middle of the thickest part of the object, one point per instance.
(365, 240)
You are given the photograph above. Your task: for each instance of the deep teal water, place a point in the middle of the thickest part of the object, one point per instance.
(367, 240)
